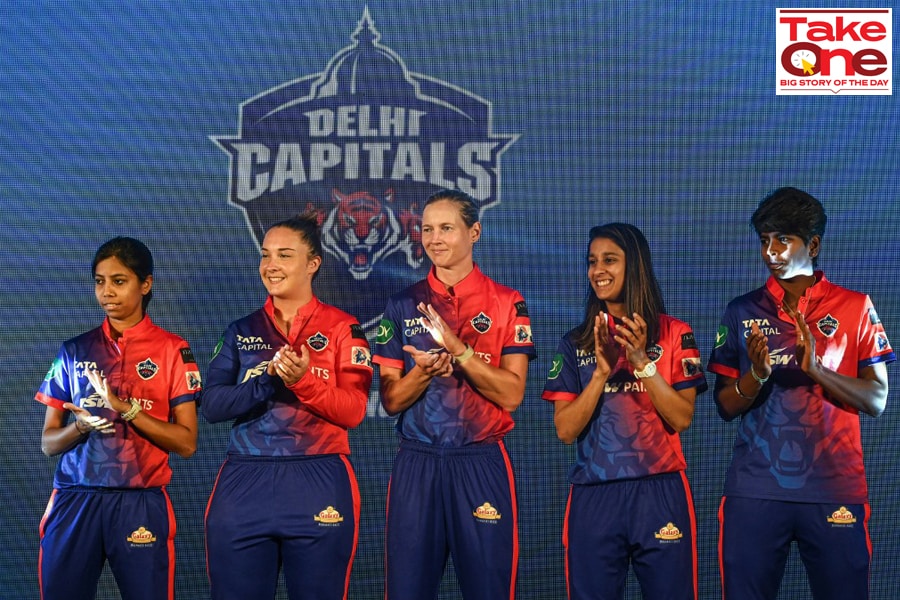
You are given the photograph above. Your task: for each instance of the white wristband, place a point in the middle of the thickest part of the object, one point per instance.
(759, 380)
(468, 353)
(132, 412)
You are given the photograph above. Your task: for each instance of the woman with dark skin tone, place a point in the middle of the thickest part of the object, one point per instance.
(119, 399)
(796, 361)
(120, 292)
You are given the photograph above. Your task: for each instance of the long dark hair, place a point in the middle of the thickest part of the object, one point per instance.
(641, 289)
(133, 254)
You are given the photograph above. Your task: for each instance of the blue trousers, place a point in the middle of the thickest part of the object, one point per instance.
(301, 513)
(755, 538)
(458, 501)
(133, 529)
(647, 523)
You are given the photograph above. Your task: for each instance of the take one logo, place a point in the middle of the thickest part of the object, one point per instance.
(826, 51)
(362, 144)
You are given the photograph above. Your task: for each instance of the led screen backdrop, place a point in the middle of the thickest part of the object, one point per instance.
(192, 125)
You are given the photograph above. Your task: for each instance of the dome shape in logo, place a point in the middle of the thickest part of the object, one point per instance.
(366, 69)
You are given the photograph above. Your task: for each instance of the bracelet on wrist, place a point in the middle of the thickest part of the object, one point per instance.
(759, 380)
(132, 412)
(468, 353)
(737, 388)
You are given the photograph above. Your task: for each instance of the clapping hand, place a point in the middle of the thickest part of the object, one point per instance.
(289, 364)
(101, 386)
(86, 422)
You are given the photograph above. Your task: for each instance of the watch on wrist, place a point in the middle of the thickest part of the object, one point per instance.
(649, 370)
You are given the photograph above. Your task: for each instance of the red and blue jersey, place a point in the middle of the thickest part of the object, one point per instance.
(147, 364)
(492, 318)
(313, 415)
(796, 443)
(626, 438)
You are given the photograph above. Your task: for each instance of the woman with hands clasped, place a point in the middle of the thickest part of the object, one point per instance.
(130, 386)
(453, 352)
(623, 384)
(294, 376)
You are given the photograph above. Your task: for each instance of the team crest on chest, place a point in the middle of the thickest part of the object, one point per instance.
(317, 342)
(146, 369)
(827, 325)
(481, 323)
(654, 352)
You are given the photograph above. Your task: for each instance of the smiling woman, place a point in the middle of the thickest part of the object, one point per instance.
(293, 394)
(287, 267)
(624, 389)
(474, 385)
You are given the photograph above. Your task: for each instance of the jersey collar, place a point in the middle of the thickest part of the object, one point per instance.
(142, 327)
(469, 285)
(300, 318)
(817, 290)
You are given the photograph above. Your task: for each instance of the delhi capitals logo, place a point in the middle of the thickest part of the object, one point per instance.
(481, 323)
(654, 352)
(362, 144)
(828, 325)
(146, 369)
(317, 342)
